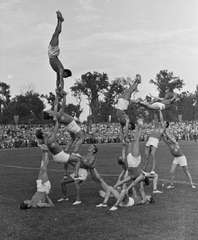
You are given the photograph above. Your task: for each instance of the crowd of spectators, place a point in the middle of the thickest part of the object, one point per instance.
(20, 136)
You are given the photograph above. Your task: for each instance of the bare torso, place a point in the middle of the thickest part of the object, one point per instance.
(38, 197)
(87, 159)
(56, 64)
(64, 118)
(175, 150)
(157, 133)
(53, 146)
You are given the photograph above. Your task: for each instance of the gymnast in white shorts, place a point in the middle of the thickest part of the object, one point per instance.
(179, 159)
(40, 198)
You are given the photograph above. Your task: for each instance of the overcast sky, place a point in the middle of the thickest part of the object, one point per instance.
(117, 37)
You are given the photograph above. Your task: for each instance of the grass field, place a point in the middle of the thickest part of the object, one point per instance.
(172, 216)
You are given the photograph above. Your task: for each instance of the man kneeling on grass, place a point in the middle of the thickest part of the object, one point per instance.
(40, 198)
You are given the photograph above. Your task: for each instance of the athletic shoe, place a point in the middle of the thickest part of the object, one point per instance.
(63, 199)
(170, 186)
(157, 191)
(77, 154)
(101, 205)
(113, 208)
(102, 193)
(193, 186)
(77, 202)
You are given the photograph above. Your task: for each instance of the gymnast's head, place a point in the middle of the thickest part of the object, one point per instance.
(67, 73)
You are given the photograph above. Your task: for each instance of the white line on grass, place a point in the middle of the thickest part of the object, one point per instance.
(105, 175)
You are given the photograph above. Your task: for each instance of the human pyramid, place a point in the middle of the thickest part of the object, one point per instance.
(124, 190)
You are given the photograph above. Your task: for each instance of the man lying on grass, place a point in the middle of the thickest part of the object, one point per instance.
(130, 162)
(118, 189)
(40, 198)
(131, 158)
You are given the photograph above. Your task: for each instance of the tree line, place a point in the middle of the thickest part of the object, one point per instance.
(101, 94)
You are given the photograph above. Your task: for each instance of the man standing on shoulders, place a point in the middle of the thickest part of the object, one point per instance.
(70, 125)
(153, 142)
(122, 107)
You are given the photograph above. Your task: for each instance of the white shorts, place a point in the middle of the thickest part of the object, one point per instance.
(43, 187)
(53, 51)
(72, 127)
(159, 104)
(122, 104)
(61, 157)
(129, 204)
(82, 173)
(133, 161)
(182, 161)
(152, 142)
(148, 174)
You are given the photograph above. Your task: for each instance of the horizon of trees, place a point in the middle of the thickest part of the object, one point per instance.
(101, 94)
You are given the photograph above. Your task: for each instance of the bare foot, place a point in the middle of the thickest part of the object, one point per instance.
(138, 78)
(59, 16)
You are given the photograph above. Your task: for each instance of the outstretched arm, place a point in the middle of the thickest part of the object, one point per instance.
(172, 139)
(174, 99)
(60, 81)
(161, 117)
(164, 137)
(52, 136)
(121, 132)
(137, 180)
(156, 98)
(63, 102)
(123, 150)
(43, 204)
(143, 195)
(123, 174)
(127, 179)
(56, 103)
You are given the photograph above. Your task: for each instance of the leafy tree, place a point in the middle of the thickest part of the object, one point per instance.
(165, 81)
(91, 85)
(185, 105)
(70, 109)
(4, 95)
(50, 98)
(73, 110)
(29, 107)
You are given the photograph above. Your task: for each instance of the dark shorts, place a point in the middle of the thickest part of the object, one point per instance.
(121, 115)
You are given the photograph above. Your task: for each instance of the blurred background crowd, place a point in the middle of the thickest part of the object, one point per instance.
(21, 136)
